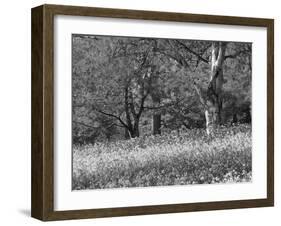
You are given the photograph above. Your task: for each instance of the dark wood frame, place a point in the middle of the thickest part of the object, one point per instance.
(42, 203)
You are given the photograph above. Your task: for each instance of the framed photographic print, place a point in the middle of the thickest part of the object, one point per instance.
(141, 112)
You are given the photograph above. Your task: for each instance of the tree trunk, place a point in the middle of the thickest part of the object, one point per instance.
(126, 134)
(132, 128)
(132, 132)
(135, 132)
(234, 118)
(214, 91)
(248, 118)
(156, 124)
(156, 118)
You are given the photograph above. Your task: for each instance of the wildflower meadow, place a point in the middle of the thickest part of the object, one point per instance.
(180, 157)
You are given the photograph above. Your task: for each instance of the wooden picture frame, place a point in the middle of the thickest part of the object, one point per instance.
(42, 203)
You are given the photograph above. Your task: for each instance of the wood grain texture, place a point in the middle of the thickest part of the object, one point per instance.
(43, 106)
(37, 158)
(42, 113)
(154, 15)
(270, 111)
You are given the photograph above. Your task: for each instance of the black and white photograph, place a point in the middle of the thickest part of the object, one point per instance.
(160, 112)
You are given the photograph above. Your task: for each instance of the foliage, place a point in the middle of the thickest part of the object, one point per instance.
(120, 83)
(172, 158)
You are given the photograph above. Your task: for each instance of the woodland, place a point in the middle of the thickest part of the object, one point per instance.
(158, 112)
(127, 87)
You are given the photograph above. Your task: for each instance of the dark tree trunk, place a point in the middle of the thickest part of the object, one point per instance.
(135, 132)
(133, 113)
(131, 132)
(130, 129)
(156, 124)
(248, 118)
(156, 118)
(234, 118)
(126, 134)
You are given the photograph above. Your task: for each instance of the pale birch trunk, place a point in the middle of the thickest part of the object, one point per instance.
(214, 91)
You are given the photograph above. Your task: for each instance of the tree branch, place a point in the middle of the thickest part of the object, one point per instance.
(200, 94)
(191, 51)
(169, 56)
(113, 116)
(86, 125)
(92, 127)
(232, 56)
(114, 124)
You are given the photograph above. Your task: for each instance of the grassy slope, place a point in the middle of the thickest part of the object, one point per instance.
(185, 157)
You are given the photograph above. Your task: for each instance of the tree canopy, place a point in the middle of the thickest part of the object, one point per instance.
(124, 87)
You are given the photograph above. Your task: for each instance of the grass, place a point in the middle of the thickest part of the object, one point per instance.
(175, 158)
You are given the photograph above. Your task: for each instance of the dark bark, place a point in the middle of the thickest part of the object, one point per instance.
(234, 118)
(132, 114)
(156, 124)
(136, 132)
(248, 117)
(156, 118)
(132, 132)
(126, 134)
(126, 107)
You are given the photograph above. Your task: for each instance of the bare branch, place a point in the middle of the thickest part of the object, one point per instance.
(168, 55)
(93, 127)
(191, 51)
(86, 125)
(114, 124)
(113, 116)
(233, 56)
(200, 94)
